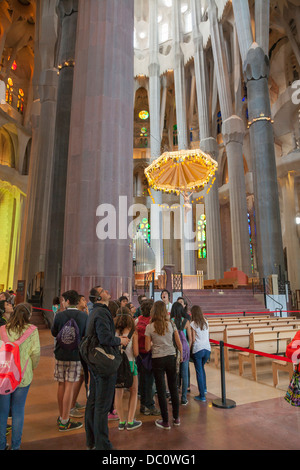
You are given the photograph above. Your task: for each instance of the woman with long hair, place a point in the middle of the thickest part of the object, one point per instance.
(159, 336)
(124, 324)
(201, 349)
(183, 324)
(17, 325)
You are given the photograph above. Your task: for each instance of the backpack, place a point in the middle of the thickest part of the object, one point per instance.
(124, 374)
(141, 327)
(69, 336)
(185, 344)
(11, 373)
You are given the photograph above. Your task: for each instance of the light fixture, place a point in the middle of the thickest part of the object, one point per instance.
(298, 220)
(142, 35)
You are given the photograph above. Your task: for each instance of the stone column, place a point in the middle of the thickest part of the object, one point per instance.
(155, 133)
(100, 163)
(268, 225)
(290, 229)
(233, 131)
(209, 145)
(47, 92)
(68, 11)
(188, 265)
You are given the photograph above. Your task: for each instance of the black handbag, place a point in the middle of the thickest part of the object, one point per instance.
(124, 374)
(104, 360)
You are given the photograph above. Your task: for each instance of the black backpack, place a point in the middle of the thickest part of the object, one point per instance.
(124, 374)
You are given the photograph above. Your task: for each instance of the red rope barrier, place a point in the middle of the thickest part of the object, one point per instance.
(252, 351)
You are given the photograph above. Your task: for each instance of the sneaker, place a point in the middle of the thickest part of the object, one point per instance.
(122, 425)
(176, 422)
(75, 413)
(134, 425)
(69, 426)
(78, 406)
(161, 424)
(8, 429)
(154, 411)
(145, 411)
(183, 402)
(198, 398)
(113, 416)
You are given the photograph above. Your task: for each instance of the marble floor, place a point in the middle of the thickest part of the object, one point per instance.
(261, 419)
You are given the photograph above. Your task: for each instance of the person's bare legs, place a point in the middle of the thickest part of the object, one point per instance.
(133, 397)
(119, 404)
(76, 390)
(65, 397)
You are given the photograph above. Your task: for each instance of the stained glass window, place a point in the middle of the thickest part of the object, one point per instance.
(145, 229)
(9, 91)
(201, 237)
(144, 115)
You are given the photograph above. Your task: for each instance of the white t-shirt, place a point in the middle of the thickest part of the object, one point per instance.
(202, 338)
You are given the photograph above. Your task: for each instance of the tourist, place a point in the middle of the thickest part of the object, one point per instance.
(183, 324)
(124, 325)
(6, 309)
(144, 363)
(68, 368)
(123, 301)
(18, 324)
(55, 305)
(141, 299)
(201, 349)
(159, 339)
(101, 392)
(131, 308)
(166, 297)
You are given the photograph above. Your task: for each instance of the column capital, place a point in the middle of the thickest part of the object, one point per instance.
(67, 7)
(209, 146)
(256, 65)
(233, 130)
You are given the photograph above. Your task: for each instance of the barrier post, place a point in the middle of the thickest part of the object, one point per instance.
(223, 402)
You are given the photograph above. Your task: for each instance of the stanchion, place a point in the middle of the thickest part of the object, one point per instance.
(223, 402)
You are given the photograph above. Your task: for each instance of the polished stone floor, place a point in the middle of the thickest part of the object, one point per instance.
(261, 420)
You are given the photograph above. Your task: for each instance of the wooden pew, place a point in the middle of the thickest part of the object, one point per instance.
(239, 335)
(271, 342)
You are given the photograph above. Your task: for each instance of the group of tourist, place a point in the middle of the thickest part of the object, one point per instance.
(159, 339)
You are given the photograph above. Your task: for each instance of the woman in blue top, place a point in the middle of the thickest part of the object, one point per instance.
(182, 324)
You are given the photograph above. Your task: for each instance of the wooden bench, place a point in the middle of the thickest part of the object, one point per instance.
(209, 284)
(227, 284)
(271, 342)
(239, 335)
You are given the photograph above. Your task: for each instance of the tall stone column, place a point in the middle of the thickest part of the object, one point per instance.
(155, 133)
(256, 72)
(100, 163)
(67, 11)
(188, 262)
(268, 225)
(290, 233)
(208, 144)
(233, 131)
(41, 202)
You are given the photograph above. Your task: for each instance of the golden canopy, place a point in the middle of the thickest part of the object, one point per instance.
(183, 171)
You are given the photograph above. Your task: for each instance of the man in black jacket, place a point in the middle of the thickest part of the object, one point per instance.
(67, 362)
(101, 388)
